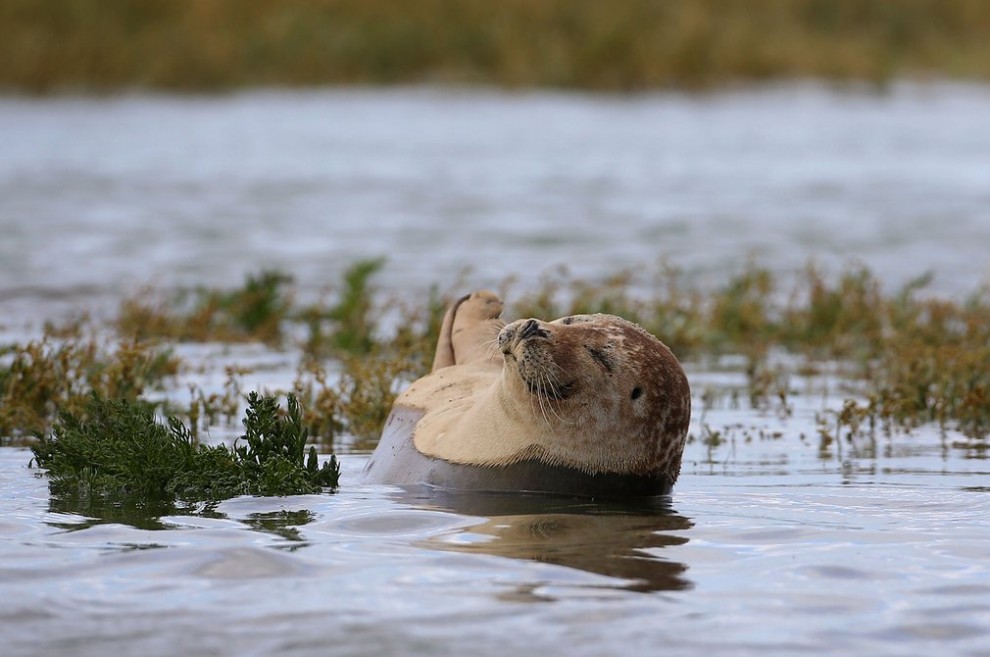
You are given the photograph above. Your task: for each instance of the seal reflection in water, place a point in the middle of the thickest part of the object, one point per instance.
(621, 539)
(589, 405)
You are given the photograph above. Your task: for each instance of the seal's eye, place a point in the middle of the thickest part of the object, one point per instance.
(602, 357)
(567, 321)
(637, 392)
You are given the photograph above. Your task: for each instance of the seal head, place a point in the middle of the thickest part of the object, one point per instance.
(608, 396)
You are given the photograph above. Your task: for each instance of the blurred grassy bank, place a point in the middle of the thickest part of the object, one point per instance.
(99, 45)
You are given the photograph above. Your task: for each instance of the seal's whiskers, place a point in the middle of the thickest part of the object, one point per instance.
(491, 347)
(539, 400)
(544, 403)
(557, 366)
(552, 385)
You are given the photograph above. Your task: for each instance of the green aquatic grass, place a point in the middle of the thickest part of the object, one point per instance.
(259, 311)
(347, 326)
(359, 398)
(636, 44)
(115, 450)
(254, 312)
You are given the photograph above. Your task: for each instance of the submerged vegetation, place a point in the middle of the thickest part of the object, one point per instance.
(114, 449)
(637, 44)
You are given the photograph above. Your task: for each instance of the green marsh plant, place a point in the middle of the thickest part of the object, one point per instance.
(114, 449)
(58, 372)
(255, 312)
(349, 325)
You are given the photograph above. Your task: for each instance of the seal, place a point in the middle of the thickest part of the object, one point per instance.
(589, 405)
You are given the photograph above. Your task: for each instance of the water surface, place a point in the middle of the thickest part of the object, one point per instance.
(99, 196)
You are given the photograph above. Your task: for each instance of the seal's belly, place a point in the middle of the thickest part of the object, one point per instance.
(397, 461)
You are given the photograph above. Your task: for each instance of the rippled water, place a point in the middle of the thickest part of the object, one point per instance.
(769, 545)
(98, 196)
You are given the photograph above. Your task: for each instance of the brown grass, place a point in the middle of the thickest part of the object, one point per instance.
(92, 45)
(59, 373)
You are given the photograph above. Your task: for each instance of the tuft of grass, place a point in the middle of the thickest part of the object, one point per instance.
(260, 307)
(946, 383)
(370, 368)
(254, 312)
(369, 386)
(114, 450)
(259, 311)
(53, 373)
(323, 401)
(840, 320)
(348, 326)
(358, 400)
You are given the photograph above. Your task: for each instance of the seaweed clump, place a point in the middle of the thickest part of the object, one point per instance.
(116, 451)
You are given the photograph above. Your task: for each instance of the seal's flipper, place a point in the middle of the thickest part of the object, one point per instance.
(444, 356)
(469, 331)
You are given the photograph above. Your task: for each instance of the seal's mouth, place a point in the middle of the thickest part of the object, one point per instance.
(522, 344)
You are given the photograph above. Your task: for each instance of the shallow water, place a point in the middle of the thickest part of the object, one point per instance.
(768, 545)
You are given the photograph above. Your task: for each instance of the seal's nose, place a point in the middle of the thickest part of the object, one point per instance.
(529, 329)
(505, 339)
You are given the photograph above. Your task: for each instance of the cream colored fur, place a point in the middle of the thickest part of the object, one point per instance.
(470, 330)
